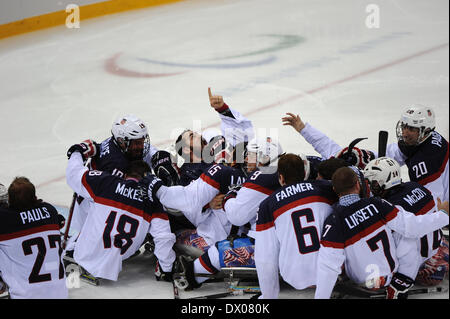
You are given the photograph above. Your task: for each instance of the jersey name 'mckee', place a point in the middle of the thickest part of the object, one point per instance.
(129, 192)
(292, 190)
(361, 215)
(34, 215)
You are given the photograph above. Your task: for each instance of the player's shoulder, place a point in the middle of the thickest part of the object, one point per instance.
(221, 169)
(435, 145)
(315, 190)
(222, 176)
(265, 218)
(263, 182)
(412, 196)
(110, 157)
(15, 221)
(96, 178)
(8, 218)
(51, 209)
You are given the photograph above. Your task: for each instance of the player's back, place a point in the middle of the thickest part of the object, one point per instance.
(418, 200)
(30, 253)
(297, 212)
(244, 207)
(116, 225)
(360, 229)
(110, 158)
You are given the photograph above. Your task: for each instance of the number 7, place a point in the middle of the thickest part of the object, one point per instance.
(382, 236)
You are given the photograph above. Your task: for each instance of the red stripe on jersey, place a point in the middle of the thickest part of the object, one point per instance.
(391, 215)
(369, 230)
(206, 266)
(113, 203)
(223, 108)
(158, 215)
(29, 231)
(265, 226)
(303, 201)
(210, 181)
(427, 208)
(86, 185)
(119, 205)
(258, 188)
(331, 244)
(436, 175)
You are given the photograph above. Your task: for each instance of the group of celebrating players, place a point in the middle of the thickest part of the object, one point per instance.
(238, 200)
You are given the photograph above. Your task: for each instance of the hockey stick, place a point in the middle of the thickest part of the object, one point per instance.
(176, 294)
(382, 143)
(344, 290)
(354, 142)
(347, 155)
(226, 294)
(69, 218)
(416, 291)
(69, 221)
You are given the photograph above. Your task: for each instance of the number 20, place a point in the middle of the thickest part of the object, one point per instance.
(420, 169)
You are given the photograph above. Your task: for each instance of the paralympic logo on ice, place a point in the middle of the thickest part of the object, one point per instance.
(113, 64)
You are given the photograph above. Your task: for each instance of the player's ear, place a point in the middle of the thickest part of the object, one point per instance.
(281, 179)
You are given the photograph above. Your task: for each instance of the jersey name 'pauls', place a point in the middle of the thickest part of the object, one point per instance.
(129, 192)
(34, 215)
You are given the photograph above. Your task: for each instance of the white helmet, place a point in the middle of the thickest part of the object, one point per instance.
(267, 150)
(385, 172)
(418, 116)
(128, 128)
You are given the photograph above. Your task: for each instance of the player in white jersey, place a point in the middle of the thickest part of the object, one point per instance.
(119, 218)
(385, 181)
(241, 206)
(260, 158)
(358, 235)
(423, 150)
(288, 228)
(192, 200)
(30, 245)
(129, 141)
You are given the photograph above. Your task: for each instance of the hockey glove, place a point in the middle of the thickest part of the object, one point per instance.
(161, 275)
(87, 148)
(151, 184)
(399, 286)
(232, 193)
(163, 168)
(256, 296)
(357, 157)
(61, 221)
(219, 151)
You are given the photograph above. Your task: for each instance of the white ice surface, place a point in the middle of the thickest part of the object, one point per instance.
(316, 58)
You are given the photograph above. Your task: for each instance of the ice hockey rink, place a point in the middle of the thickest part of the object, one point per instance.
(348, 67)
